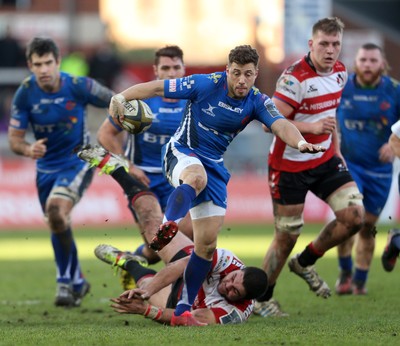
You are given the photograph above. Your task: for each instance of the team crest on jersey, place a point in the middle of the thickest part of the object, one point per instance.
(340, 80)
(384, 106)
(255, 90)
(70, 105)
(215, 77)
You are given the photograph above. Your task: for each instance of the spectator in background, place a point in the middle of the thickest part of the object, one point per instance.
(370, 105)
(11, 56)
(11, 53)
(105, 65)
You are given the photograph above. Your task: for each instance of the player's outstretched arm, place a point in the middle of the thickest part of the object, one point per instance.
(137, 92)
(289, 133)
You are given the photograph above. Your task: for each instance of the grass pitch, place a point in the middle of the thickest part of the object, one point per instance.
(28, 316)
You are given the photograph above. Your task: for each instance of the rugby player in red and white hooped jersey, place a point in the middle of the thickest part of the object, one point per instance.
(308, 93)
(226, 296)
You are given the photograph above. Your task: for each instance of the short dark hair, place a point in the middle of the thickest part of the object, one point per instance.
(330, 25)
(170, 52)
(42, 46)
(255, 282)
(243, 55)
(373, 46)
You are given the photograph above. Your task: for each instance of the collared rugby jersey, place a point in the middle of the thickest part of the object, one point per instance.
(313, 96)
(223, 263)
(60, 116)
(365, 117)
(212, 119)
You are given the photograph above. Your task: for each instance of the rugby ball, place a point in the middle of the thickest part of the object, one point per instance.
(137, 116)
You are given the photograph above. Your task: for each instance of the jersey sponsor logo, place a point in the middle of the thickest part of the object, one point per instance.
(271, 108)
(170, 110)
(172, 86)
(287, 81)
(321, 105)
(230, 108)
(365, 98)
(237, 263)
(153, 138)
(285, 84)
(232, 318)
(209, 110)
(44, 128)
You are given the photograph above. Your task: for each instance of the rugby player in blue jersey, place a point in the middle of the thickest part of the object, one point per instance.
(143, 151)
(219, 107)
(53, 104)
(370, 105)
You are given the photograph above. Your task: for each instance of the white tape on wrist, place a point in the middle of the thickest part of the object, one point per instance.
(120, 98)
(301, 143)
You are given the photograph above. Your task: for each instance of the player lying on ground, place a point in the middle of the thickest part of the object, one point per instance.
(225, 297)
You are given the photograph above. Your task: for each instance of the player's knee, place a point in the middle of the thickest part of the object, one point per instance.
(368, 230)
(197, 181)
(289, 224)
(56, 221)
(345, 198)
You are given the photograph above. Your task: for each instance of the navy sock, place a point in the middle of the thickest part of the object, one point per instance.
(268, 294)
(195, 273)
(137, 270)
(346, 264)
(62, 246)
(360, 277)
(179, 202)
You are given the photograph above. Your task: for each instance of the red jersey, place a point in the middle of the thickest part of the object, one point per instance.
(313, 96)
(224, 310)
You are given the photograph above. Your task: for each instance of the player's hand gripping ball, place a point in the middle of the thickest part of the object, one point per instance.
(137, 116)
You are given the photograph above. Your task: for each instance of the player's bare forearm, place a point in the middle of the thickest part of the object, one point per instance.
(18, 145)
(110, 138)
(167, 275)
(286, 131)
(144, 90)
